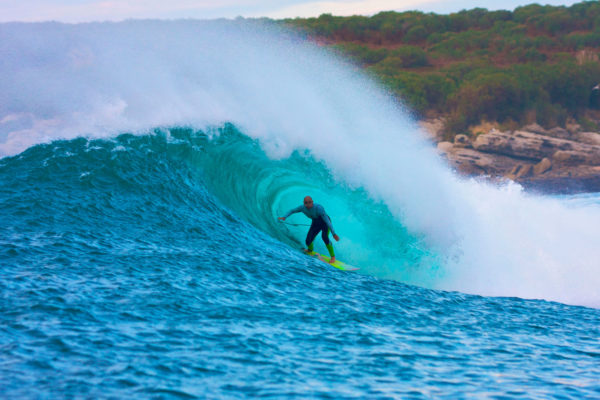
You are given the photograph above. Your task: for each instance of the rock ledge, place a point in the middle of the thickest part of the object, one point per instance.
(557, 160)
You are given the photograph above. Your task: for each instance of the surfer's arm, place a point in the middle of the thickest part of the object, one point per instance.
(327, 221)
(292, 211)
(329, 225)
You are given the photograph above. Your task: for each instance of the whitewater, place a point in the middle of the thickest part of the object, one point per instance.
(144, 164)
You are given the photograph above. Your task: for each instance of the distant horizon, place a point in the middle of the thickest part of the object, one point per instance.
(73, 11)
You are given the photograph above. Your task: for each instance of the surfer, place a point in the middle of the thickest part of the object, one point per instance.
(320, 223)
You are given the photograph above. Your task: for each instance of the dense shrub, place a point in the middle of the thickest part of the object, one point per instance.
(539, 61)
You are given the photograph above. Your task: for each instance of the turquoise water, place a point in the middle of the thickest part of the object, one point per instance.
(153, 267)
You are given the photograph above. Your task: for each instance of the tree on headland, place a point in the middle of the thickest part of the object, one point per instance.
(534, 64)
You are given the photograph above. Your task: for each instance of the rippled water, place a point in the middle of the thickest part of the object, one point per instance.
(128, 273)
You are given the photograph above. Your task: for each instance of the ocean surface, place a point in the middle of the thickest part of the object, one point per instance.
(143, 167)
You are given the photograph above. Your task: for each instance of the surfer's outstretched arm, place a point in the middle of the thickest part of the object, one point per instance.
(292, 211)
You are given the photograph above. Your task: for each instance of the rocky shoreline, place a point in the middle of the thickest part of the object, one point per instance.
(558, 160)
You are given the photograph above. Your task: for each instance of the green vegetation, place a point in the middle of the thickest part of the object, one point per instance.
(535, 64)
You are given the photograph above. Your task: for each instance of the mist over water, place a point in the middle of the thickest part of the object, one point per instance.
(311, 110)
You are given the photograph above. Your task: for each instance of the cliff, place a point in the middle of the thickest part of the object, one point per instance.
(556, 160)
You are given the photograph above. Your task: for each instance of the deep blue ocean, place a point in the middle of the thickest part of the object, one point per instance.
(126, 275)
(143, 166)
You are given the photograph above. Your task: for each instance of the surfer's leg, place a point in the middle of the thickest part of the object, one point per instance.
(324, 233)
(325, 237)
(330, 249)
(310, 236)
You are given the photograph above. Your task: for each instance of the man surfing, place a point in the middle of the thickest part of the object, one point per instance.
(320, 223)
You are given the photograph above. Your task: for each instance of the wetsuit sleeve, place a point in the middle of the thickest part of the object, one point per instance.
(322, 214)
(293, 211)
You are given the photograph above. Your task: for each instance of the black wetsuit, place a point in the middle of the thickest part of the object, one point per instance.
(320, 223)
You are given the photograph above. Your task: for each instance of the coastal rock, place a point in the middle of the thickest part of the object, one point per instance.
(445, 147)
(462, 141)
(520, 171)
(519, 144)
(472, 162)
(559, 133)
(542, 167)
(592, 138)
(583, 178)
(533, 157)
(531, 146)
(564, 157)
(525, 171)
(535, 128)
(434, 128)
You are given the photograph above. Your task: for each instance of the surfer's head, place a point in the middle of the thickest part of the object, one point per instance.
(308, 202)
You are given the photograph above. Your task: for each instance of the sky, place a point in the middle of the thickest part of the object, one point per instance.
(116, 10)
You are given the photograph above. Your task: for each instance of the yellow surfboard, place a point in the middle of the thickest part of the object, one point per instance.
(338, 264)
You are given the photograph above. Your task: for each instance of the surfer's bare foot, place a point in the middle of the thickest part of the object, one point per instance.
(306, 251)
(332, 261)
